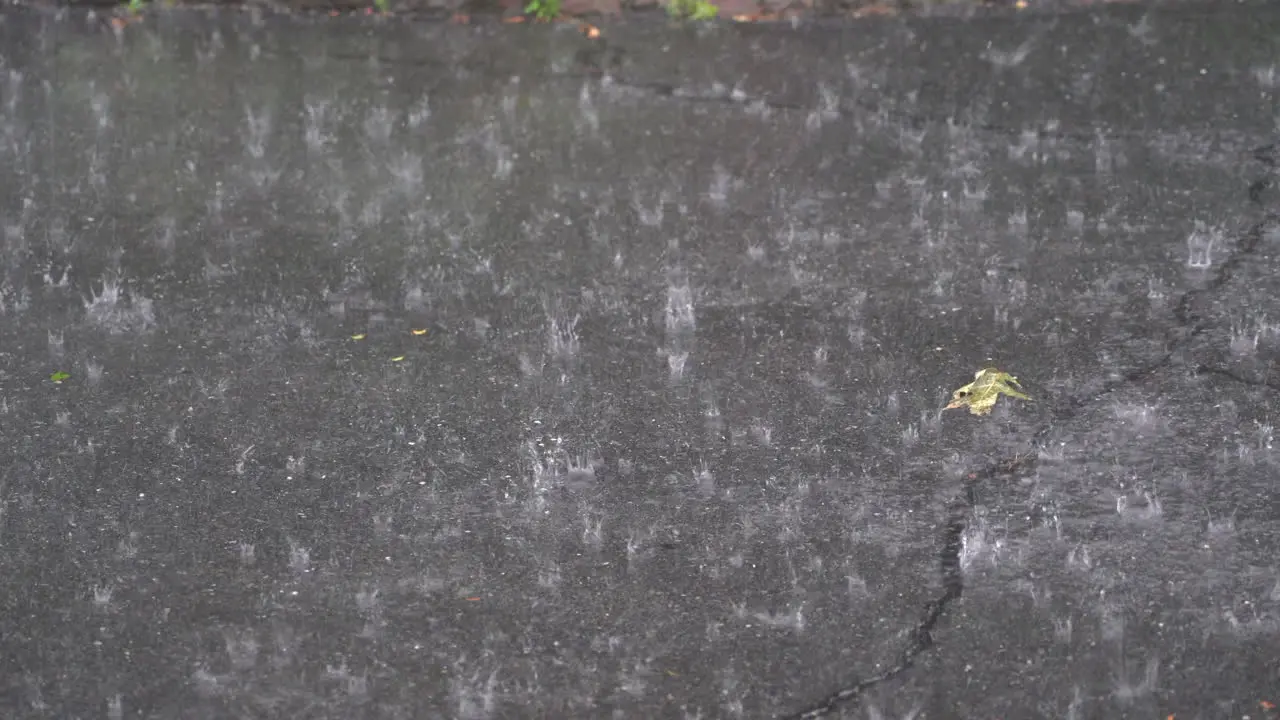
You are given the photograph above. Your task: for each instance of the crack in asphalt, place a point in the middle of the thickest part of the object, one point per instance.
(604, 62)
(1237, 377)
(921, 635)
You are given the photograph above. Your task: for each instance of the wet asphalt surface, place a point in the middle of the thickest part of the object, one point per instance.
(424, 371)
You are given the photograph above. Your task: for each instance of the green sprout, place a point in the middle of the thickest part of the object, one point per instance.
(136, 6)
(543, 9)
(382, 6)
(59, 376)
(692, 10)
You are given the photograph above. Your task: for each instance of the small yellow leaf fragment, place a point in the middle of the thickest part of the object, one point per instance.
(987, 386)
(417, 331)
(397, 358)
(358, 336)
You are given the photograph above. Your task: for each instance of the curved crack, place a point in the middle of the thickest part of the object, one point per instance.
(603, 61)
(920, 636)
(1237, 377)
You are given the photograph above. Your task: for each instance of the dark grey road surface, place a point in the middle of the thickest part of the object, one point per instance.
(671, 444)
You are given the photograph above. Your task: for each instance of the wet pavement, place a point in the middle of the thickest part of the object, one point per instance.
(417, 371)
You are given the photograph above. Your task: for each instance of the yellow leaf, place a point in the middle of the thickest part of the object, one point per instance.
(987, 386)
(397, 358)
(416, 331)
(359, 336)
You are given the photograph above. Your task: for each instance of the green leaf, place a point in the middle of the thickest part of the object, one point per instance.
(543, 9)
(703, 10)
(59, 376)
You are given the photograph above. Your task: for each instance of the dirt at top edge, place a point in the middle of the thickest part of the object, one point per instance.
(522, 10)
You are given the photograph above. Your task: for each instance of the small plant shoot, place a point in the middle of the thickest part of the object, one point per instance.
(692, 10)
(543, 9)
